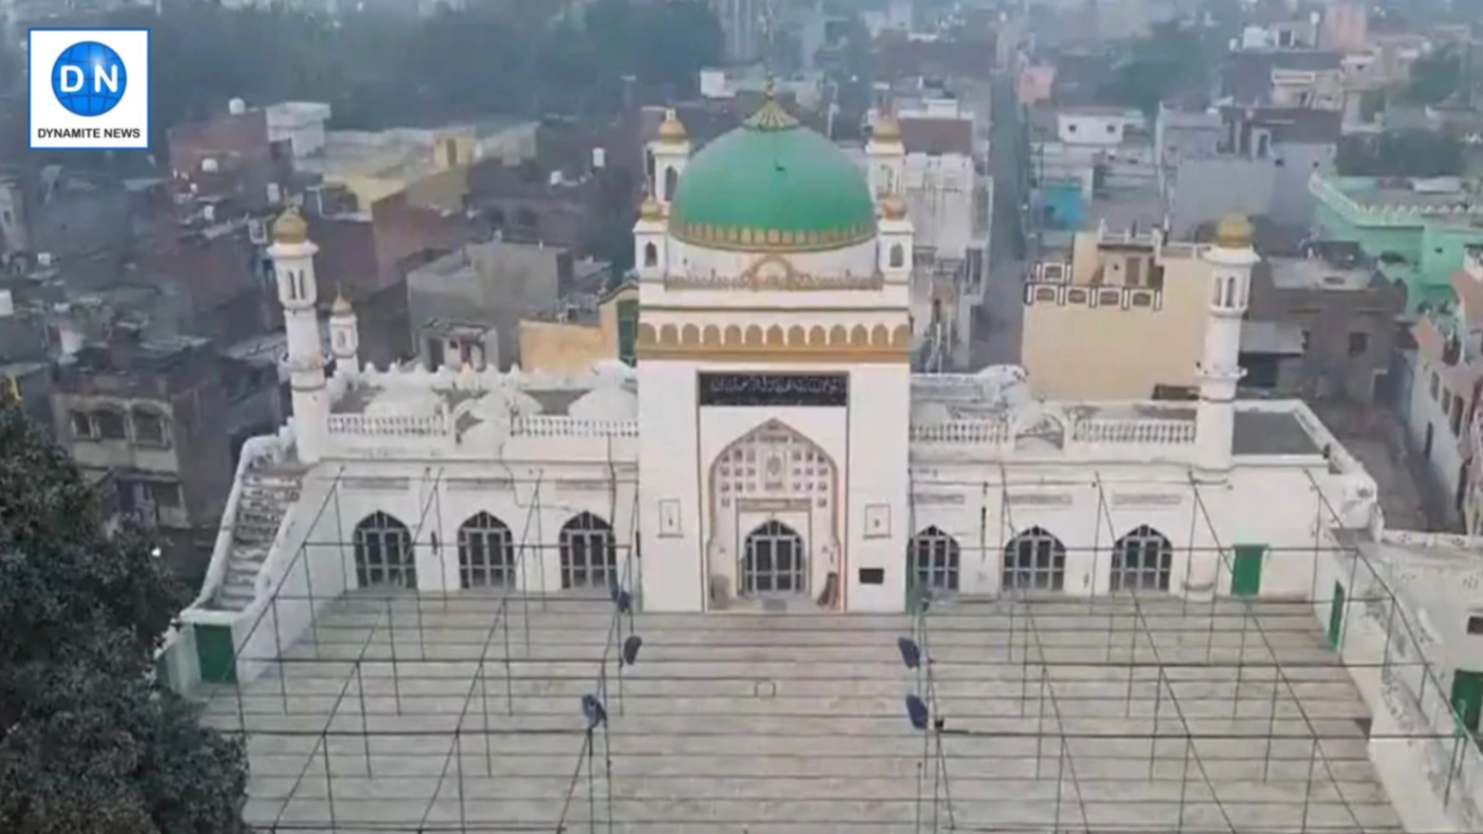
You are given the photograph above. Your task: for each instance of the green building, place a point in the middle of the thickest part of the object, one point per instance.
(1417, 236)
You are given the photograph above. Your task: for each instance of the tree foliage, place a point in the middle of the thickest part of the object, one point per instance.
(1435, 77)
(378, 70)
(88, 742)
(1407, 153)
(1171, 60)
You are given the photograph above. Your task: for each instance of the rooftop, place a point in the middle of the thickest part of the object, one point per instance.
(1319, 274)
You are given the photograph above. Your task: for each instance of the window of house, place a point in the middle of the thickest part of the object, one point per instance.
(1111, 129)
(82, 424)
(1307, 339)
(1071, 128)
(1435, 385)
(165, 495)
(149, 428)
(1456, 418)
(110, 425)
(1475, 624)
(1359, 343)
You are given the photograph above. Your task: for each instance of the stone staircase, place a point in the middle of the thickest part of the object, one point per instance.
(268, 490)
(794, 723)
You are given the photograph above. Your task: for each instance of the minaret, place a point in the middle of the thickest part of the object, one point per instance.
(670, 153)
(649, 241)
(293, 266)
(886, 155)
(1231, 259)
(344, 336)
(894, 233)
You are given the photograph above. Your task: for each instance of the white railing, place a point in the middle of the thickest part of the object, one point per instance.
(388, 426)
(1139, 432)
(963, 432)
(793, 281)
(540, 425)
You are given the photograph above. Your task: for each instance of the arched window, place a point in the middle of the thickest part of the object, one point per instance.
(486, 553)
(651, 254)
(303, 292)
(1231, 292)
(383, 553)
(1141, 561)
(589, 554)
(293, 287)
(774, 561)
(898, 256)
(671, 181)
(1035, 560)
(932, 560)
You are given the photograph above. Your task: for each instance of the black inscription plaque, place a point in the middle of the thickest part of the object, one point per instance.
(775, 389)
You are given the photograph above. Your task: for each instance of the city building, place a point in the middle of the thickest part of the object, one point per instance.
(784, 465)
(491, 287)
(579, 338)
(149, 419)
(1090, 165)
(1441, 400)
(1321, 326)
(743, 29)
(1254, 161)
(1287, 78)
(1137, 306)
(1416, 229)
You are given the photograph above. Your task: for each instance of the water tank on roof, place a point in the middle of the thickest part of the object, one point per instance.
(208, 213)
(274, 193)
(599, 158)
(209, 166)
(7, 304)
(236, 107)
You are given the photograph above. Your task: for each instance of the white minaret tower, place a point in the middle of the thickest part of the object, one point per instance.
(886, 155)
(344, 337)
(1231, 259)
(671, 151)
(650, 239)
(894, 234)
(293, 267)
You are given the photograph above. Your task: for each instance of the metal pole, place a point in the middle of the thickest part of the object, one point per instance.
(1158, 697)
(1240, 664)
(396, 682)
(484, 705)
(278, 656)
(1452, 764)
(329, 787)
(1271, 724)
(365, 731)
(1308, 791)
(1184, 778)
(1039, 718)
(313, 614)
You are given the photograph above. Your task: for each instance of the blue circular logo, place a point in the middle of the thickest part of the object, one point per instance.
(89, 78)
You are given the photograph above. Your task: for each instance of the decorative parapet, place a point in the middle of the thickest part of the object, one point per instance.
(1336, 198)
(362, 425)
(964, 432)
(1069, 295)
(541, 425)
(1138, 432)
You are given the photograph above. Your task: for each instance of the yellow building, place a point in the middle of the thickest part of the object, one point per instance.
(573, 347)
(1124, 319)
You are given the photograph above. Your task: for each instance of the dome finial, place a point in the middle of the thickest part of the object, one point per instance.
(1234, 232)
(341, 307)
(771, 115)
(650, 208)
(672, 130)
(290, 226)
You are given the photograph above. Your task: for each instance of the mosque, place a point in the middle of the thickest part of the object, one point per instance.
(772, 455)
(772, 448)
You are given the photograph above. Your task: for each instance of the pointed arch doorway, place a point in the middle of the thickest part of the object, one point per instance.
(774, 537)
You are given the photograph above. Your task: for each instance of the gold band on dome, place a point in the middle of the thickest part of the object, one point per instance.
(750, 239)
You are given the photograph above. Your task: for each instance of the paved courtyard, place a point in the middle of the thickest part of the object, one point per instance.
(1057, 716)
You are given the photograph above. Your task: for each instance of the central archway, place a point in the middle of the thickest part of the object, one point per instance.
(773, 491)
(774, 561)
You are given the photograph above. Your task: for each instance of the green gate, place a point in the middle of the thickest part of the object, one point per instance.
(215, 652)
(1467, 697)
(1246, 570)
(1336, 616)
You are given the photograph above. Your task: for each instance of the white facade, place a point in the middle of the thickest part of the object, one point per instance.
(772, 450)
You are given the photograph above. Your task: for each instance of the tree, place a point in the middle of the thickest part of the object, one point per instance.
(1406, 153)
(88, 742)
(1435, 77)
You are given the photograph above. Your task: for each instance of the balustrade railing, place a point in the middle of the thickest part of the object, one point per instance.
(395, 426)
(1137, 432)
(543, 425)
(965, 432)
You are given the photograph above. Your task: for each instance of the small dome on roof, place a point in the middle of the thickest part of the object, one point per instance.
(607, 402)
(290, 227)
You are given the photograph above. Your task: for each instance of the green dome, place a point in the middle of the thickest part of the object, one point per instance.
(772, 185)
